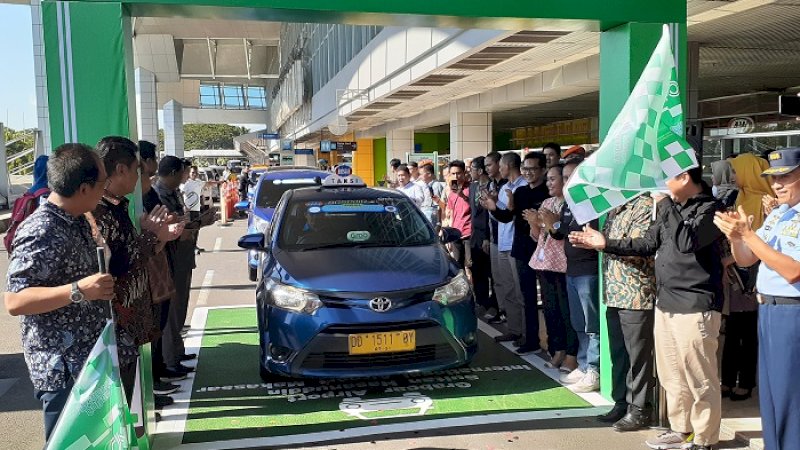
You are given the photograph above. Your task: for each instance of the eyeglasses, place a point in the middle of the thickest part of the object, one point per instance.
(530, 169)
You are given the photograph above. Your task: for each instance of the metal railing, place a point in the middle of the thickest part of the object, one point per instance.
(6, 186)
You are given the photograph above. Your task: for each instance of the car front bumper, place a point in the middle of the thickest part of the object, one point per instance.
(302, 345)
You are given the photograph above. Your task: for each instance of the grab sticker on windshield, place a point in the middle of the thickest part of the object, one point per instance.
(314, 209)
(358, 236)
(390, 209)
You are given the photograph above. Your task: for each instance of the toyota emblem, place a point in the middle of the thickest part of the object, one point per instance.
(380, 304)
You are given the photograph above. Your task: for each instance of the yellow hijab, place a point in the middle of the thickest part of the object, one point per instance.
(752, 186)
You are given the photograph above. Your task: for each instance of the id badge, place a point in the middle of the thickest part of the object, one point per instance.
(540, 255)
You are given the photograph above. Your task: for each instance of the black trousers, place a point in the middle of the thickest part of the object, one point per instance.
(560, 334)
(631, 341)
(527, 284)
(740, 353)
(481, 278)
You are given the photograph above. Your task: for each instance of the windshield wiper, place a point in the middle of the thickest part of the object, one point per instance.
(347, 245)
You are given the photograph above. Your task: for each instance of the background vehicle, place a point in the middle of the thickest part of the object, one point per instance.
(265, 196)
(354, 282)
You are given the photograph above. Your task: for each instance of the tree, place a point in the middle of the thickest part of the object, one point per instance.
(206, 136)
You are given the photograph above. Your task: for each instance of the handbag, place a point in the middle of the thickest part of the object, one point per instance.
(162, 288)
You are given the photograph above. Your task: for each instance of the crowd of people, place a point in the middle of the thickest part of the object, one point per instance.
(55, 282)
(680, 268)
(679, 271)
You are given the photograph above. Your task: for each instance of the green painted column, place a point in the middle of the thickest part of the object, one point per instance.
(624, 52)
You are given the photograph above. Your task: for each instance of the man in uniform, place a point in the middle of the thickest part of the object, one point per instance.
(777, 245)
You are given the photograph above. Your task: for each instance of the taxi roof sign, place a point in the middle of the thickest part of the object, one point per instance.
(343, 170)
(343, 181)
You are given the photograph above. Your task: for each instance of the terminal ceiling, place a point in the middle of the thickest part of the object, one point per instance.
(745, 46)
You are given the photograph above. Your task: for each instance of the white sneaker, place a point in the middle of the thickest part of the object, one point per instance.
(572, 377)
(589, 383)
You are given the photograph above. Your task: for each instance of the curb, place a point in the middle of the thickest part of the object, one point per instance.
(745, 437)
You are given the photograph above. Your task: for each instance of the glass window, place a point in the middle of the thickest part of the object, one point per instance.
(256, 97)
(270, 191)
(384, 222)
(233, 97)
(209, 96)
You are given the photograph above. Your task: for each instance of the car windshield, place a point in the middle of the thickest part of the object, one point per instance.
(271, 191)
(382, 222)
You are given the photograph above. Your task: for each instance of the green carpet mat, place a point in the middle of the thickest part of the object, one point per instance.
(229, 400)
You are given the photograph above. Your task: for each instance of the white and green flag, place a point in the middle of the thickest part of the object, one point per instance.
(644, 147)
(96, 415)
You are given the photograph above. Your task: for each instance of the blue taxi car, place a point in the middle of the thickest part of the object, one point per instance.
(355, 282)
(260, 206)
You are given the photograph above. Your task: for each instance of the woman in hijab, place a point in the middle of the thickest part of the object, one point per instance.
(39, 174)
(752, 186)
(724, 183)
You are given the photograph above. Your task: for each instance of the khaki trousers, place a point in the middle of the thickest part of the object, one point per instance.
(686, 361)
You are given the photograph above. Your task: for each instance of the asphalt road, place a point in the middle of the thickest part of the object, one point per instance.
(222, 270)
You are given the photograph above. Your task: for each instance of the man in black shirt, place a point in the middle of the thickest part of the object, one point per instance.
(526, 197)
(496, 182)
(479, 240)
(688, 303)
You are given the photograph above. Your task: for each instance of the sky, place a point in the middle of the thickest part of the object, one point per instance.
(17, 81)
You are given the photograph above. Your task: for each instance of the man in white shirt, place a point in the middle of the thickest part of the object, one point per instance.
(412, 190)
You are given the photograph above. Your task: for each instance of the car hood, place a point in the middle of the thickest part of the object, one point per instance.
(365, 269)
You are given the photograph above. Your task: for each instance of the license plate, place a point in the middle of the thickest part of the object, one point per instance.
(384, 342)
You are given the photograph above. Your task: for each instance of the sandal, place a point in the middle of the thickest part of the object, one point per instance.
(556, 360)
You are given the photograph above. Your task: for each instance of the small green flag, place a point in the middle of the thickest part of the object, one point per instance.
(96, 415)
(644, 147)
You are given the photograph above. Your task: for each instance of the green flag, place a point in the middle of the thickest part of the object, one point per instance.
(96, 415)
(644, 147)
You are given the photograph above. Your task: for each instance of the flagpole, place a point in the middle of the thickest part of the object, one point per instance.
(101, 263)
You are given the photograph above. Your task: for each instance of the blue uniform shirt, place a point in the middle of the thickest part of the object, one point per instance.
(781, 231)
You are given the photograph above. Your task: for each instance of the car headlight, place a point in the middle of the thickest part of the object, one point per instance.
(454, 291)
(261, 225)
(293, 299)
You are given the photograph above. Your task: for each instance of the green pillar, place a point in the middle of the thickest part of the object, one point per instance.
(624, 52)
(89, 66)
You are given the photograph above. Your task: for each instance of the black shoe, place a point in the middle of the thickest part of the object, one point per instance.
(161, 388)
(701, 447)
(168, 375)
(180, 368)
(163, 400)
(617, 412)
(506, 337)
(500, 318)
(525, 349)
(636, 419)
(739, 397)
(188, 356)
(158, 416)
(518, 342)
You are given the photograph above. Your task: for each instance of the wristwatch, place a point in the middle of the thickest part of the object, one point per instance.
(75, 295)
(557, 226)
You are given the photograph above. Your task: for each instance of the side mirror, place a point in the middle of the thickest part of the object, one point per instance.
(253, 241)
(243, 205)
(449, 235)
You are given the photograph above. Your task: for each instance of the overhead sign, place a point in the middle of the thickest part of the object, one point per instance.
(269, 136)
(325, 146)
(286, 144)
(304, 151)
(741, 125)
(333, 146)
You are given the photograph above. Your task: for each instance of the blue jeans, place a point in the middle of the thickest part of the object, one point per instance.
(52, 404)
(582, 292)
